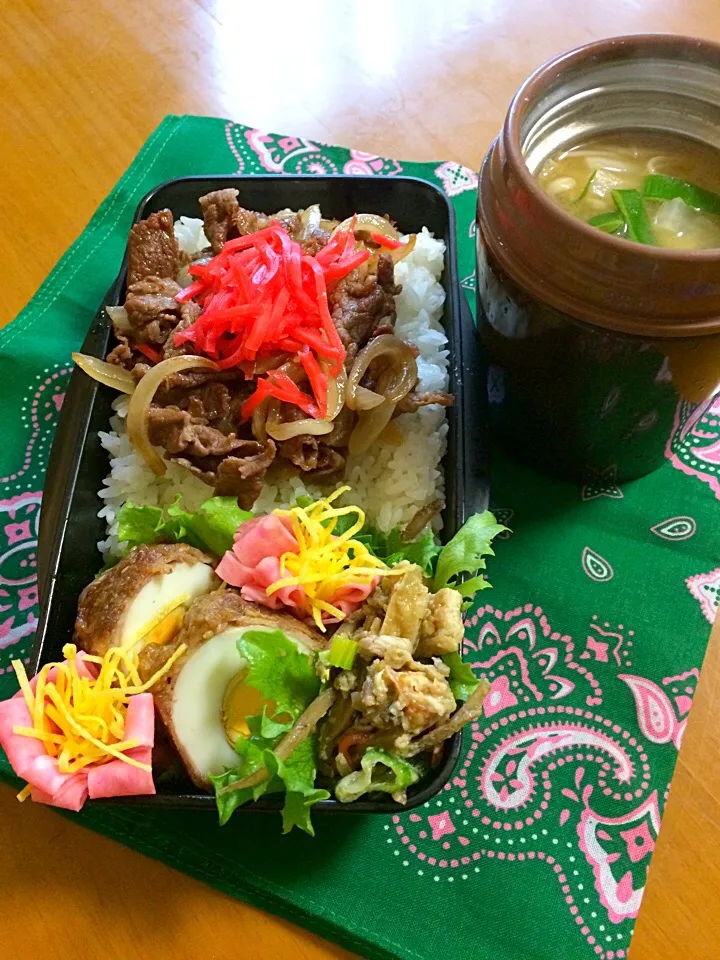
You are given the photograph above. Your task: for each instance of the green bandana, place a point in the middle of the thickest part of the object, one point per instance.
(592, 639)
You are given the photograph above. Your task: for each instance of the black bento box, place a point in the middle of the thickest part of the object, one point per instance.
(70, 527)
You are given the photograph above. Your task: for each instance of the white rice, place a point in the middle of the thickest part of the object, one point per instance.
(390, 482)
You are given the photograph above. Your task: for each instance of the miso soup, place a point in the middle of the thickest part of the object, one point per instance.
(658, 189)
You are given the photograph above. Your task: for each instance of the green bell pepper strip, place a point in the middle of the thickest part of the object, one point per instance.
(631, 205)
(609, 222)
(586, 188)
(660, 187)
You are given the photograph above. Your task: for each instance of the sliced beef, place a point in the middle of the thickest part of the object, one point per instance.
(225, 218)
(210, 403)
(152, 309)
(152, 248)
(215, 401)
(360, 303)
(413, 401)
(301, 450)
(242, 477)
(190, 379)
(219, 210)
(343, 425)
(247, 221)
(122, 355)
(312, 456)
(189, 312)
(312, 240)
(330, 464)
(181, 434)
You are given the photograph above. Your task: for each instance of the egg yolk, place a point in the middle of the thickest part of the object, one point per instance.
(239, 702)
(164, 631)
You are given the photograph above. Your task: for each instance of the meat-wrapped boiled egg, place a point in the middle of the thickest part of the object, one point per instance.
(203, 699)
(143, 598)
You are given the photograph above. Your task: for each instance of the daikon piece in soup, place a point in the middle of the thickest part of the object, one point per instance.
(653, 188)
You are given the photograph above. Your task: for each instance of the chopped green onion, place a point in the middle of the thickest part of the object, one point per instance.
(631, 205)
(586, 188)
(342, 652)
(609, 222)
(659, 187)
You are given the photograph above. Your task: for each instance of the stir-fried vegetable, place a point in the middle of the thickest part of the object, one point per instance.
(380, 772)
(342, 653)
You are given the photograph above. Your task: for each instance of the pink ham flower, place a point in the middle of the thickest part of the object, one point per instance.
(253, 565)
(30, 760)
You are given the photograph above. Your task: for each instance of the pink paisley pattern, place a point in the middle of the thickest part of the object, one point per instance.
(18, 567)
(20, 517)
(675, 529)
(598, 841)
(368, 164)
(547, 777)
(705, 587)
(521, 646)
(279, 154)
(655, 713)
(499, 698)
(688, 448)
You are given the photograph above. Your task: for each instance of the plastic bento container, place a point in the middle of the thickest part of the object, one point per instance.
(68, 558)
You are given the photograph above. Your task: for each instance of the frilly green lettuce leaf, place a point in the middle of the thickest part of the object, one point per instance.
(211, 527)
(462, 680)
(379, 771)
(464, 555)
(392, 549)
(279, 670)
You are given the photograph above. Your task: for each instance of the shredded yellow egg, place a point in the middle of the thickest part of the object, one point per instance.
(80, 720)
(326, 562)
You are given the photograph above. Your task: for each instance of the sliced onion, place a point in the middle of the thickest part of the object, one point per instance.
(310, 219)
(279, 430)
(108, 374)
(370, 425)
(372, 222)
(336, 390)
(120, 319)
(294, 370)
(259, 420)
(394, 383)
(367, 399)
(399, 253)
(137, 418)
(304, 727)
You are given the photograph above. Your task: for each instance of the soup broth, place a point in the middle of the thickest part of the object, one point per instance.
(658, 189)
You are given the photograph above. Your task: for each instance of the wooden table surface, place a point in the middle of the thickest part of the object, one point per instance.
(83, 84)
